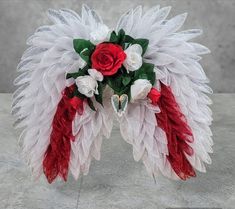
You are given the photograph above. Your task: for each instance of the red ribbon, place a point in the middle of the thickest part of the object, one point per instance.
(57, 156)
(178, 133)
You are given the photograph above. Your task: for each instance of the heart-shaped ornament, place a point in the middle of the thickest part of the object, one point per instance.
(119, 104)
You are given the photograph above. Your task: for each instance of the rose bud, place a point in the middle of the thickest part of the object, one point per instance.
(154, 95)
(133, 57)
(140, 89)
(87, 85)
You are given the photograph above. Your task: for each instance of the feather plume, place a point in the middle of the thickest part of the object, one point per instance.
(177, 65)
(43, 68)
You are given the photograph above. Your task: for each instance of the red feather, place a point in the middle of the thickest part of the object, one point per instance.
(178, 133)
(57, 156)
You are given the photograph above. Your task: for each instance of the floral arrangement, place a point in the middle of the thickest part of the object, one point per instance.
(78, 74)
(117, 61)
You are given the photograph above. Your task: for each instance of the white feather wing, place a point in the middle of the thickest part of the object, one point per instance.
(177, 65)
(89, 130)
(42, 78)
(139, 128)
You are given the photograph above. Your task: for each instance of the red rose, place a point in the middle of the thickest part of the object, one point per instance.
(107, 58)
(154, 95)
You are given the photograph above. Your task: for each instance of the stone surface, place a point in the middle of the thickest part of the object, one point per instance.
(117, 181)
(20, 18)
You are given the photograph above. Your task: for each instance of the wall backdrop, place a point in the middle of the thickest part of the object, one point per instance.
(19, 19)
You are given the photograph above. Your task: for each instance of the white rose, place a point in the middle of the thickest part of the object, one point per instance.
(133, 59)
(100, 34)
(87, 85)
(140, 89)
(96, 74)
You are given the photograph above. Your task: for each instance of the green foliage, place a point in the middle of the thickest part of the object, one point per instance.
(126, 80)
(81, 44)
(121, 37)
(113, 37)
(146, 72)
(125, 40)
(84, 48)
(142, 42)
(129, 39)
(81, 72)
(85, 55)
(120, 82)
(99, 97)
(115, 82)
(118, 38)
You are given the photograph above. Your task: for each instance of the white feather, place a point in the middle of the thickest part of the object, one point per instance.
(176, 65)
(139, 128)
(43, 69)
(89, 128)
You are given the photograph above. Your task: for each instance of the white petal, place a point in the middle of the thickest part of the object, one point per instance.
(95, 74)
(135, 48)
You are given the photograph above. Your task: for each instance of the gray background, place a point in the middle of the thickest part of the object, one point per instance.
(19, 19)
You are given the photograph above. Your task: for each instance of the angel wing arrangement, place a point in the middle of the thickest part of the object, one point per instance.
(78, 74)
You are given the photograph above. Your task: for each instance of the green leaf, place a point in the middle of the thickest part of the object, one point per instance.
(81, 44)
(152, 78)
(126, 80)
(129, 39)
(90, 103)
(85, 55)
(145, 69)
(129, 95)
(115, 83)
(99, 97)
(124, 90)
(146, 72)
(143, 76)
(142, 42)
(84, 48)
(121, 33)
(121, 37)
(113, 37)
(81, 72)
(118, 38)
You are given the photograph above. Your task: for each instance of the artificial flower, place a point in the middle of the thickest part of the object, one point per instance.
(140, 89)
(87, 85)
(96, 74)
(133, 59)
(154, 95)
(108, 58)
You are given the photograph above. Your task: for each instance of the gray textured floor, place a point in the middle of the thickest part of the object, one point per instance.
(117, 182)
